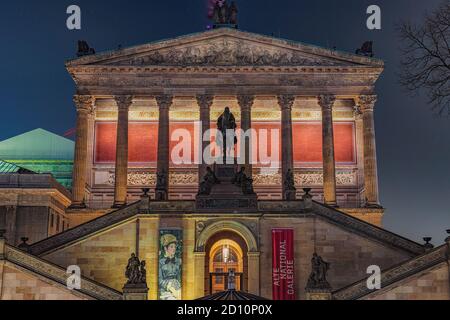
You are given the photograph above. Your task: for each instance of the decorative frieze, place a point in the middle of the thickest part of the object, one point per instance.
(313, 178)
(149, 179)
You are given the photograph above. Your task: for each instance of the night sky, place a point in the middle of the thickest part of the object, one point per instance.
(413, 144)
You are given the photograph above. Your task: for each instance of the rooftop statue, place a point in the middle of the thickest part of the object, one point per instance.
(366, 49)
(84, 49)
(224, 13)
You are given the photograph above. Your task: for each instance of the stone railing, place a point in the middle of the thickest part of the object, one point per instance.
(367, 229)
(59, 275)
(81, 231)
(395, 274)
(279, 206)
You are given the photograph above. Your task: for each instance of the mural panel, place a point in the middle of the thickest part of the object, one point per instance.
(170, 264)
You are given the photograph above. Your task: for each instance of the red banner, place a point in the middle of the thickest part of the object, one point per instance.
(283, 277)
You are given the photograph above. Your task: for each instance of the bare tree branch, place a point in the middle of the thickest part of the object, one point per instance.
(426, 57)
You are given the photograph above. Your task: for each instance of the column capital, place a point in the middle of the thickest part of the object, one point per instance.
(367, 102)
(84, 103)
(357, 112)
(123, 102)
(286, 101)
(326, 101)
(205, 101)
(245, 101)
(164, 101)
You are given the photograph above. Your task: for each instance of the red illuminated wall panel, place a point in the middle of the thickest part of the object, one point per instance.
(143, 141)
(307, 138)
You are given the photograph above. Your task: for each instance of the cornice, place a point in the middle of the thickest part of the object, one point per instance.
(224, 33)
(101, 69)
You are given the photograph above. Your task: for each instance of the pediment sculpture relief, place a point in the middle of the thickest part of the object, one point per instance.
(228, 53)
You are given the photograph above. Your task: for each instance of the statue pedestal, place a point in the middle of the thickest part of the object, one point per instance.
(318, 294)
(291, 195)
(226, 195)
(225, 25)
(135, 292)
(161, 195)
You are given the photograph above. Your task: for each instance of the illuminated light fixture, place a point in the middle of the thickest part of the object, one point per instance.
(225, 253)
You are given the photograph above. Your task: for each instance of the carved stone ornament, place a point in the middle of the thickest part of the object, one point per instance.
(84, 103)
(124, 102)
(245, 101)
(164, 101)
(149, 179)
(286, 101)
(367, 102)
(205, 101)
(326, 101)
(309, 178)
(228, 52)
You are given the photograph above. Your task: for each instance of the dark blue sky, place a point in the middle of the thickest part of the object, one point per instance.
(413, 145)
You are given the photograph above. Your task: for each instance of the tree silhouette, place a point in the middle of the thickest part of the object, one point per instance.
(426, 57)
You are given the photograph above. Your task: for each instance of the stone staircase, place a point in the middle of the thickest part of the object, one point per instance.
(57, 274)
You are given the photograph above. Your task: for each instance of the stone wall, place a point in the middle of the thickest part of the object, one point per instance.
(348, 253)
(18, 284)
(432, 284)
(103, 257)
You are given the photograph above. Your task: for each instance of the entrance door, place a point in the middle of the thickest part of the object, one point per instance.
(225, 256)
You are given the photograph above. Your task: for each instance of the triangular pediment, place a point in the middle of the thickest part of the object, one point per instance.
(225, 47)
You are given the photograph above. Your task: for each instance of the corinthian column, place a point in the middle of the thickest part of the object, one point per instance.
(326, 102)
(121, 181)
(246, 103)
(367, 104)
(205, 103)
(85, 109)
(162, 184)
(287, 163)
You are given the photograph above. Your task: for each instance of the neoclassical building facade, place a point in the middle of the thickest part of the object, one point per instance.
(321, 200)
(130, 102)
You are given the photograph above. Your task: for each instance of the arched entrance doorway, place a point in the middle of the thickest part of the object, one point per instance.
(245, 240)
(225, 256)
(225, 251)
